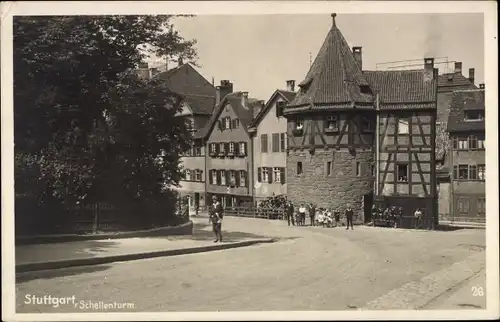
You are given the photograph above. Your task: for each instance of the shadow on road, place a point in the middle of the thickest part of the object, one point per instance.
(55, 273)
(203, 232)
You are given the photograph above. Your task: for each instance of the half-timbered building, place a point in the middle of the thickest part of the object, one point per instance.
(336, 152)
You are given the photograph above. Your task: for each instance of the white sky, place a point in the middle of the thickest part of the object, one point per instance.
(259, 53)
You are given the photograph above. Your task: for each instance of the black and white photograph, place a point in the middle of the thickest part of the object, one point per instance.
(249, 160)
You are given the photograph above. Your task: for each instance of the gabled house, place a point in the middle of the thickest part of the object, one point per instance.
(355, 134)
(268, 131)
(199, 98)
(464, 196)
(229, 161)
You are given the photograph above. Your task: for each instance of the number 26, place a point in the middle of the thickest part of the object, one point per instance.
(477, 291)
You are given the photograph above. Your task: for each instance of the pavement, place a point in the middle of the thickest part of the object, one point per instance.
(306, 268)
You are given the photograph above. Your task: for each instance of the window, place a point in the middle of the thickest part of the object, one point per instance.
(472, 142)
(473, 172)
(197, 151)
(463, 205)
(265, 175)
(222, 149)
(282, 142)
(263, 143)
(231, 147)
(328, 168)
(243, 178)
(242, 148)
(236, 123)
(214, 176)
(481, 206)
(358, 169)
(299, 125)
(198, 175)
(222, 177)
(463, 171)
(367, 125)
(402, 172)
(276, 174)
(213, 148)
(463, 144)
(455, 143)
(279, 108)
(276, 142)
(403, 126)
(332, 123)
(474, 116)
(227, 123)
(481, 172)
(232, 177)
(480, 143)
(188, 175)
(299, 168)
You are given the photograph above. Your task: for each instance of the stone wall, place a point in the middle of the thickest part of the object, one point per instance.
(335, 188)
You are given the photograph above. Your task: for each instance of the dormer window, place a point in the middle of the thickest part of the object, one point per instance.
(222, 150)
(474, 116)
(228, 123)
(332, 124)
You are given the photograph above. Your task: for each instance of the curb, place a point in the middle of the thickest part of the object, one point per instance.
(416, 295)
(184, 229)
(31, 267)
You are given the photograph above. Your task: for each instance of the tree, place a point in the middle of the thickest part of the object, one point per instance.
(85, 126)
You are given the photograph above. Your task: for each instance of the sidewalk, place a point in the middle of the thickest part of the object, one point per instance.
(92, 252)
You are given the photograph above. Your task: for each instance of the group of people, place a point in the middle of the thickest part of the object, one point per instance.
(324, 217)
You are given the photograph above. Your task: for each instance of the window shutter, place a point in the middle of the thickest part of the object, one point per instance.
(210, 177)
(218, 174)
(236, 148)
(226, 148)
(282, 175)
(259, 174)
(237, 178)
(246, 148)
(201, 176)
(228, 177)
(217, 148)
(246, 177)
(270, 175)
(230, 123)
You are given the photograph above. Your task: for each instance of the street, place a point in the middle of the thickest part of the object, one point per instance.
(308, 268)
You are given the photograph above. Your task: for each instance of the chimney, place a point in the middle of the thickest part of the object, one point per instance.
(458, 67)
(143, 71)
(226, 87)
(471, 75)
(244, 99)
(481, 86)
(333, 19)
(428, 69)
(357, 56)
(180, 61)
(290, 85)
(153, 71)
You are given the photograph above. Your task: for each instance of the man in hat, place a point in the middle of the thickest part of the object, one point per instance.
(349, 215)
(216, 215)
(290, 213)
(312, 213)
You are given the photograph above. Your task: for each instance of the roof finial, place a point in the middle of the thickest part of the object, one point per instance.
(333, 19)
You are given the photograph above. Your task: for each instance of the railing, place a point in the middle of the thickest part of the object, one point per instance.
(410, 222)
(253, 212)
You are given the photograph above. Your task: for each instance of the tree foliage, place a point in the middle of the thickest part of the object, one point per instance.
(86, 127)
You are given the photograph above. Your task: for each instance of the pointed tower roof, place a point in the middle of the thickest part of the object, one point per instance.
(335, 79)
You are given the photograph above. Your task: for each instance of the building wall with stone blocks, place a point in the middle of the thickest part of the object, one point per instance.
(331, 178)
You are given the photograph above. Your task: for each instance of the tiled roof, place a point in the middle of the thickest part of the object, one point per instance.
(288, 96)
(454, 81)
(403, 89)
(334, 77)
(244, 113)
(185, 80)
(459, 102)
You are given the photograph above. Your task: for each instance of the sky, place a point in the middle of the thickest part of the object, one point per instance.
(258, 53)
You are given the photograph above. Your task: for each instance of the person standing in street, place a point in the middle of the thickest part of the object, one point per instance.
(290, 213)
(216, 215)
(302, 215)
(336, 214)
(349, 215)
(312, 213)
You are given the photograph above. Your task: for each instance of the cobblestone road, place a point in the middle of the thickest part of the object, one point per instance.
(310, 268)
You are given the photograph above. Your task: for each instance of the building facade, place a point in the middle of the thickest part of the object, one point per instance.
(229, 156)
(335, 155)
(467, 171)
(269, 142)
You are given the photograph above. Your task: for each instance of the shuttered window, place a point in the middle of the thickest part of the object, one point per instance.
(282, 142)
(243, 178)
(263, 143)
(276, 142)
